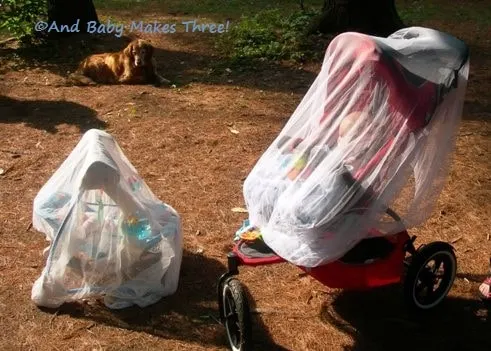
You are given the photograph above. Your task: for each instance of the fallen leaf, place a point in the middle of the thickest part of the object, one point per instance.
(456, 239)
(239, 210)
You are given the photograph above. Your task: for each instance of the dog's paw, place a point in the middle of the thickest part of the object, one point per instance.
(75, 79)
(125, 79)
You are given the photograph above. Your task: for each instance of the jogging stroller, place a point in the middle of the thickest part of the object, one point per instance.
(361, 160)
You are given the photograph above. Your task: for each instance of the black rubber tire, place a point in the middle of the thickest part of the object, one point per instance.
(237, 315)
(420, 277)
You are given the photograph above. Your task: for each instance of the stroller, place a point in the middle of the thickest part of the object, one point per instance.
(109, 234)
(361, 160)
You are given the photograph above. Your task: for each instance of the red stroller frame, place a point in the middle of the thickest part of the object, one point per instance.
(427, 273)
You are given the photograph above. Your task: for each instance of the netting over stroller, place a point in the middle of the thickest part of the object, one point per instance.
(375, 131)
(108, 232)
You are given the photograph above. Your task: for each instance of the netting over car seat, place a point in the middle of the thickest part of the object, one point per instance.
(108, 233)
(374, 132)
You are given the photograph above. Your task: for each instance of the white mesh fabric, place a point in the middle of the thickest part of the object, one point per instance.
(108, 232)
(379, 119)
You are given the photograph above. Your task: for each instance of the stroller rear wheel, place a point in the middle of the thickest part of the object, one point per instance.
(237, 315)
(430, 275)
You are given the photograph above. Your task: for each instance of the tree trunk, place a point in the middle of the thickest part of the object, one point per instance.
(68, 12)
(374, 17)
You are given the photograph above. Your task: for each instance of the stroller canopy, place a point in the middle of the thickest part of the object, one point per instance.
(108, 232)
(373, 134)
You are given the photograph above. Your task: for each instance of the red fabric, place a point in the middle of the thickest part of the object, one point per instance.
(414, 103)
(349, 276)
(363, 276)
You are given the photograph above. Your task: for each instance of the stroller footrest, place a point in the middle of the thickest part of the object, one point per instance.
(255, 253)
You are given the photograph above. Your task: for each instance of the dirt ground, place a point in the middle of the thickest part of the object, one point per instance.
(180, 142)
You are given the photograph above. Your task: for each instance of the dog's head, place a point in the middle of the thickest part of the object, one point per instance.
(140, 52)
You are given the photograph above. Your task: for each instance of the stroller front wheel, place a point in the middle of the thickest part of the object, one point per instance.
(430, 275)
(236, 314)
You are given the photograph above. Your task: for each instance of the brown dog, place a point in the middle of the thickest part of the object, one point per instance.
(133, 65)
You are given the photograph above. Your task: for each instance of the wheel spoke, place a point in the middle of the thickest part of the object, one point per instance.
(427, 277)
(430, 284)
(438, 263)
(230, 305)
(431, 275)
(420, 288)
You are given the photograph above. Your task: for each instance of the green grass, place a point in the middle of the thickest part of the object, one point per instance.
(415, 12)
(269, 35)
(4, 34)
(272, 30)
(208, 8)
(412, 12)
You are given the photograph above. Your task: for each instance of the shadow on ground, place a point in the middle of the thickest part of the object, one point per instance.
(61, 56)
(477, 111)
(191, 314)
(378, 320)
(46, 115)
(261, 340)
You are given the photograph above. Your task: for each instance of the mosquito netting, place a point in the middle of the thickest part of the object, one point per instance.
(373, 135)
(109, 235)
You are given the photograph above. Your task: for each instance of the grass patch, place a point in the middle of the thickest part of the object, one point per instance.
(218, 9)
(269, 35)
(124, 4)
(18, 17)
(416, 12)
